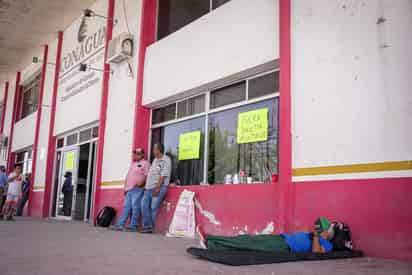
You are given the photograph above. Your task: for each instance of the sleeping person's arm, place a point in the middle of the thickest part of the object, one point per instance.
(316, 247)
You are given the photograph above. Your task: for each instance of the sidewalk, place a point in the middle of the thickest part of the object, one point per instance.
(51, 247)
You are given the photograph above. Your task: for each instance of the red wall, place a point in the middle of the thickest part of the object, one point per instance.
(378, 211)
(36, 206)
(234, 206)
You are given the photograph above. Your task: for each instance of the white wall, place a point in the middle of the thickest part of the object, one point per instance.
(24, 132)
(351, 95)
(122, 95)
(79, 95)
(45, 118)
(237, 36)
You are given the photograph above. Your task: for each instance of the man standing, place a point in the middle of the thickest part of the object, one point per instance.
(156, 187)
(134, 189)
(3, 187)
(25, 196)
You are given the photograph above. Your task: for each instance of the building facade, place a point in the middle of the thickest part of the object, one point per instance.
(298, 109)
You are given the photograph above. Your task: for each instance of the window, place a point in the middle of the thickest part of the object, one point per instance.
(4, 144)
(263, 85)
(191, 106)
(71, 140)
(25, 159)
(231, 94)
(30, 97)
(175, 14)
(164, 114)
(184, 172)
(95, 132)
(222, 158)
(218, 3)
(85, 135)
(60, 142)
(256, 160)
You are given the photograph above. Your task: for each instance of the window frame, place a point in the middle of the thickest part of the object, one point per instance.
(208, 111)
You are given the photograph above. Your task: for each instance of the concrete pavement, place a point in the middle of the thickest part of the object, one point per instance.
(43, 247)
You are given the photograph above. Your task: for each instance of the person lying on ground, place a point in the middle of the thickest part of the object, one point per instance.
(317, 241)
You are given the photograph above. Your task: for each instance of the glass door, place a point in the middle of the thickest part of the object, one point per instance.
(67, 183)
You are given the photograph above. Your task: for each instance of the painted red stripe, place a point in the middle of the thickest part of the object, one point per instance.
(38, 121)
(3, 115)
(51, 139)
(103, 108)
(10, 155)
(284, 197)
(147, 37)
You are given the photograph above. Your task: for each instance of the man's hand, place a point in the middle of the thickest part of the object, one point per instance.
(156, 191)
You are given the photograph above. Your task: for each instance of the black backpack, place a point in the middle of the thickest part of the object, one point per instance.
(105, 216)
(342, 239)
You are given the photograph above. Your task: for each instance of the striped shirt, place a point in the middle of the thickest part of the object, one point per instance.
(160, 167)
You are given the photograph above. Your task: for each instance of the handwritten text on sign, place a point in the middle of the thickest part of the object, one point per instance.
(189, 145)
(252, 126)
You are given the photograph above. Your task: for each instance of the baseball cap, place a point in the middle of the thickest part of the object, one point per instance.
(323, 223)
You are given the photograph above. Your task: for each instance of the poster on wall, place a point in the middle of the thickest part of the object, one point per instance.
(252, 126)
(189, 145)
(70, 157)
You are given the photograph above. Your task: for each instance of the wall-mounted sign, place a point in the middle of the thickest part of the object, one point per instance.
(189, 145)
(252, 126)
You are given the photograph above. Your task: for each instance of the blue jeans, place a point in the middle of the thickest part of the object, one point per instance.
(150, 206)
(132, 204)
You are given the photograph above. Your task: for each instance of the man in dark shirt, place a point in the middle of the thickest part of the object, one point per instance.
(25, 194)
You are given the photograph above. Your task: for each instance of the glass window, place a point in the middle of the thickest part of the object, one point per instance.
(175, 14)
(184, 172)
(263, 85)
(164, 114)
(95, 132)
(228, 95)
(72, 139)
(60, 142)
(218, 3)
(256, 160)
(191, 106)
(30, 97)
(85, 135)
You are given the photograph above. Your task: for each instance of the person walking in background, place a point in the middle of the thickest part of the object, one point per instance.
(3, 188)
(156, 187)
(14, 193)
(134, 190)
(67, 191)
(25, 194)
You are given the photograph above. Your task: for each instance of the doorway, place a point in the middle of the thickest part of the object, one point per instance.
(74, 184)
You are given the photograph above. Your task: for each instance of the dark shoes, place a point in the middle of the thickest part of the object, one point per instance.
(131, 229)
(116, 228)
(146, 231)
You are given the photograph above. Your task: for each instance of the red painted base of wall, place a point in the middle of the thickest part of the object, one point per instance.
(37, 204)
(378, 211)
(235, 208)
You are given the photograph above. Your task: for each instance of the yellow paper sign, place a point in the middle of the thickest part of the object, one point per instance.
(189, 145)
(70, 161)
(252, 126)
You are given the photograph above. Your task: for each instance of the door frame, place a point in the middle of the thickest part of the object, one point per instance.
(74, 180)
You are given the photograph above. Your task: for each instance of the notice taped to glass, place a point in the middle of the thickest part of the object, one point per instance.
(252, 126)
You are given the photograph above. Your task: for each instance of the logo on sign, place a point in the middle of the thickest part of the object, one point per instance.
(82, 33)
